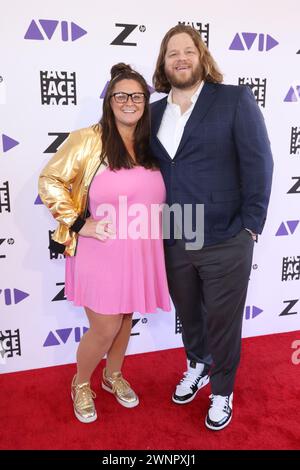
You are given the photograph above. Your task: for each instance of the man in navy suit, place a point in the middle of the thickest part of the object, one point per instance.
(213, 149)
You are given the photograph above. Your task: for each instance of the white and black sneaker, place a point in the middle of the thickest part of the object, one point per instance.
(220, 412)
(193, 379)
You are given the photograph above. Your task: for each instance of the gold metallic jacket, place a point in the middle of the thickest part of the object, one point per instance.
(64, 182)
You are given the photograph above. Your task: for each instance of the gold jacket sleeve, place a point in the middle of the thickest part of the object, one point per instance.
(58, 175)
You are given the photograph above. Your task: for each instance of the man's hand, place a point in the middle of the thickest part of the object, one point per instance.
(253, 235)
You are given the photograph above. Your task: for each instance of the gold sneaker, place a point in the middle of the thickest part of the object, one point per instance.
(83, 402)
(117, 385)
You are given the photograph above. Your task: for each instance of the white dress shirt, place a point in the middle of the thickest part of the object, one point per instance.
(173, 123)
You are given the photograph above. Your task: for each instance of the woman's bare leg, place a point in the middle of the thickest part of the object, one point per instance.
(96, 342)
(117, 350)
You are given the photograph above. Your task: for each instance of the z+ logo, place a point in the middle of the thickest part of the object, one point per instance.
(127, 30)
(45, 29)
(288, 308)
(295, 189)
(135, 321)
(10, 241)
(57, 142)
(61, 293)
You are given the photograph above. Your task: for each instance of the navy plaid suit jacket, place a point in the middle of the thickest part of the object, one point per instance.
(223, 161)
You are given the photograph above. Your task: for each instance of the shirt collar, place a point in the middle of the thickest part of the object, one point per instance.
(193, 98)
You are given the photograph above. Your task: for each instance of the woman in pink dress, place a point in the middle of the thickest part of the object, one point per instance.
(106, 192)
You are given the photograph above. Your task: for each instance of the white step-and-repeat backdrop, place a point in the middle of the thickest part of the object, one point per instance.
(55, 62)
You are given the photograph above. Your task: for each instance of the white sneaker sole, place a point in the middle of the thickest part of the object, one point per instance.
(212, 428)
(126, 405)
(202, 384)
(84, 420)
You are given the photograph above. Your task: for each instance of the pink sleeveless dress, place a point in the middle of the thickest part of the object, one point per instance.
(127, 272)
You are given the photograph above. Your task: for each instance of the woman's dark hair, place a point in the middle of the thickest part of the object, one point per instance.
(113, 147)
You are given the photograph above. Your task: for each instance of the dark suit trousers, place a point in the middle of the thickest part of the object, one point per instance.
(208, 288)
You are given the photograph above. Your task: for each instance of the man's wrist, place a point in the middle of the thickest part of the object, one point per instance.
(254, 235)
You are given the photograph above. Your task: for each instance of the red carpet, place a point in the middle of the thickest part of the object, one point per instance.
(36, 411)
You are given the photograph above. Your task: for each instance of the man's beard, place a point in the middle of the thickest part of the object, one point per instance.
(183, 84)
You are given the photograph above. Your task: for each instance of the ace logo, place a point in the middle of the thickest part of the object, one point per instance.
(4, 197)
(290, 268)
(58, 88)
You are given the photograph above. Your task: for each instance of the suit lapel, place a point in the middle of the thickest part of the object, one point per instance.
(203, 103)
(157, 115)
(156, 119)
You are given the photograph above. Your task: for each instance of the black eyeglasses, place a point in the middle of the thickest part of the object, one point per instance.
(122, 97)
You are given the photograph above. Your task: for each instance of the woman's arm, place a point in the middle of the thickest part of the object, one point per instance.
(57, 176)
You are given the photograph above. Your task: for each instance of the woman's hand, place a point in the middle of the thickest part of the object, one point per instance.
(100, 229)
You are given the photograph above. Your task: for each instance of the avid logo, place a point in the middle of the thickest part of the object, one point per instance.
(61, 336)
(38, 200)
(61, 293)
(127, 29)
(287, 228)
(258, 87)
(295, 141)
(58, 88)
(252, 312)
(9, 241)
(295, 189)
(12, 296)
(203, 29)
(293, 95)
(8, 143)
(43, 29)
(10, 344)
(246, 41)
(290, 268)
(288, 309)
(4, 197)
(57, 142)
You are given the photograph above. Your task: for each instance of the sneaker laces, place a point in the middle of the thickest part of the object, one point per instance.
(220, 402)
(84, 395)
(189, 378)
(120, 384)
